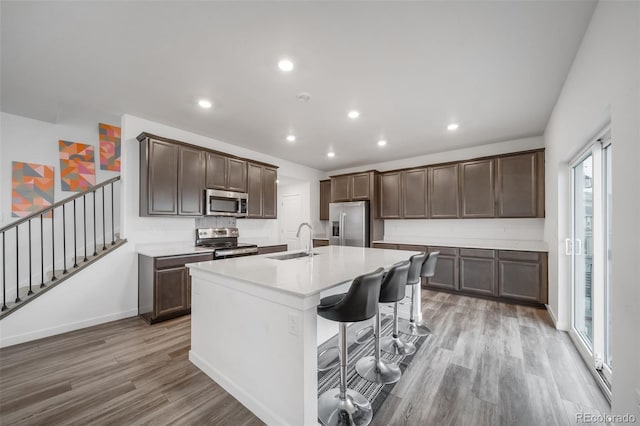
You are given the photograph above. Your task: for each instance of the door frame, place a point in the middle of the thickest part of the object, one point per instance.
(594, 148)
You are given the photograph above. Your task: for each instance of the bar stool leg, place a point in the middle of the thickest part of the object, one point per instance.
(342, 406)
(375, 369)
(415, 327)
(392, 344)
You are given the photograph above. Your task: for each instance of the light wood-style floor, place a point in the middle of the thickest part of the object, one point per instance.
(487, 363)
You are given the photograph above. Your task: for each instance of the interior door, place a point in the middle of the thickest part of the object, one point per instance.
(291, 218)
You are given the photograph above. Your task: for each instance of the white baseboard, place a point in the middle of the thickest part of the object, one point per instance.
(47, 332)
(559, 325)
(255, 406)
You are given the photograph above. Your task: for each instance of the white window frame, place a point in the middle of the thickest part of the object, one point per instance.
(594, 358)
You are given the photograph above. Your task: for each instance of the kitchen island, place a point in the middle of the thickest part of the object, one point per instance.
(254, 324)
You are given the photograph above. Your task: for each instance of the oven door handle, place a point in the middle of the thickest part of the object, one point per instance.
(236, 251)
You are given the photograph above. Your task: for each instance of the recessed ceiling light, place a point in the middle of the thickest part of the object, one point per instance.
(382, 143)
(205, 104)
(353, 114)
(331, 154)
(291, 138)
(453, 126)
(285, 65)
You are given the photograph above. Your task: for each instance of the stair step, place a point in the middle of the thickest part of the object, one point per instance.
(23, 292)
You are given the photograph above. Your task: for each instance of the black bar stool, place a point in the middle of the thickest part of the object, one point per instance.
(373, 368)
(342, 406)
(415, 326)
(392, 344)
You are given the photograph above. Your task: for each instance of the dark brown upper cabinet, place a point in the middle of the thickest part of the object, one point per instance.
(414, 194)
(341, 188)
(520, 185)
(237, 175)
(191, 169)
(353, 187)
(262, 190)
(360, 186)
(216, 171)
(254, 189)
(478, 188)
(269, 193)
(226, 173)
(444, 192)
(390, 191)
(158, 178)
(174, 175)
(171, 179)
(325, 198)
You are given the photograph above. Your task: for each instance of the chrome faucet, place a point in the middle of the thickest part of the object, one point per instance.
(310, 249)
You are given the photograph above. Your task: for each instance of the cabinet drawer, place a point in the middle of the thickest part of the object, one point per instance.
(466, 252)
(272, 249)
(411, 247)
(527, 256)
(176, 261)
(320, 242)
(447, 251)
(385, 246)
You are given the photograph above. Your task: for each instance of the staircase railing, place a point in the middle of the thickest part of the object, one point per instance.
(93, 216)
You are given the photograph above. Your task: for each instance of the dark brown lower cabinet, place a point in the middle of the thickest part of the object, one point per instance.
(164, 285)
(523, 276)
(320, 243)
(446, 273)
(478, 271)
(272, 249)
(516, 276)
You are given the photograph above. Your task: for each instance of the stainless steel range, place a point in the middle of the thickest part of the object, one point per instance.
(225, 242)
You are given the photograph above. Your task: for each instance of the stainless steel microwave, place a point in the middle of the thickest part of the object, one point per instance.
(225, 203)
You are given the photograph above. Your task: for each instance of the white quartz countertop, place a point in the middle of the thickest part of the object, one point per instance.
(524, 245)
(305, 276)
(171, 249)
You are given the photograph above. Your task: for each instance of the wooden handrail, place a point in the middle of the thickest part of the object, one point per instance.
(59, 203)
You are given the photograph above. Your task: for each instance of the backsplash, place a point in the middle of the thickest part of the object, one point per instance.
(493, 229)
(216, 222)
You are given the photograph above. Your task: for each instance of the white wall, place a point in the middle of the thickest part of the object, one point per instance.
(34, 141)
(98, 294)
(453, 155)
(602, 85)
(108, 290)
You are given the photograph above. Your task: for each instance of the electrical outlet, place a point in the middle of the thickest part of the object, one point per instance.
(292, 324)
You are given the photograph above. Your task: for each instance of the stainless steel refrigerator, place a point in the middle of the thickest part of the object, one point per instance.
(349, 224)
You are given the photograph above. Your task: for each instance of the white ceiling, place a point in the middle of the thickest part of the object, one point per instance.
(409, 67)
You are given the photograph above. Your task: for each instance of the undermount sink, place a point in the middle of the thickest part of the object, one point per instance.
(291, 256)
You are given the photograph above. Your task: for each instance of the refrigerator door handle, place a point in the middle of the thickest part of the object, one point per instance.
(342, 216)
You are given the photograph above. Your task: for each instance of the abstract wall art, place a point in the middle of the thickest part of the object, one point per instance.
(77, 167)
(109, 147)
(31, 188)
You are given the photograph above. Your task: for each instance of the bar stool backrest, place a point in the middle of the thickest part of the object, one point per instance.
(394, 283)
(360, 302)
(415, 268)
(429, 265)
